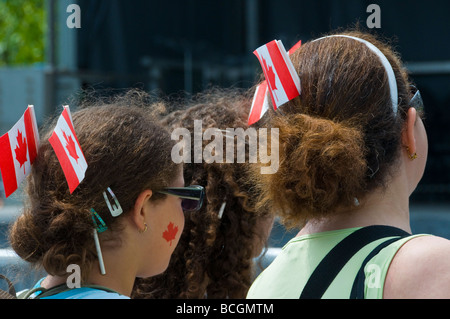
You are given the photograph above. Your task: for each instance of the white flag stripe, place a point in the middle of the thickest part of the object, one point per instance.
(258, 88)
(35, 126)
(21, 172)
(290, 66)
(81, 166)
(265, 106)
(260, 105)
(66, 107)
(280, 96)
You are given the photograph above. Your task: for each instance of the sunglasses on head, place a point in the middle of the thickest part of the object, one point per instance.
(416, 101)
(192, 196)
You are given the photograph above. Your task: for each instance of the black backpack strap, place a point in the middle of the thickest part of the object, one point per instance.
(359, 283)
(335, 260)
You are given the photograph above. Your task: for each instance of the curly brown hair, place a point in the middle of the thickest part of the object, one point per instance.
(214, 257)
(125, 148)
(340, 139)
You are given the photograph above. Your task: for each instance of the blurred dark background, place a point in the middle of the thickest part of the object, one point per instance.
(187, 46)
(181, 47)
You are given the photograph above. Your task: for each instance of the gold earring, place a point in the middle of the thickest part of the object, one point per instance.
(412, 157)
(145, 229)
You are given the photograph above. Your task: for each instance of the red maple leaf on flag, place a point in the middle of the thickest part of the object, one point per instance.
(170, 233)
(71, 146)
(21, 150)
(270, 77)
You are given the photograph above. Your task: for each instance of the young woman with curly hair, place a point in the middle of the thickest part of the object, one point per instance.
(128, 153)
(352, 150)
(215, 255)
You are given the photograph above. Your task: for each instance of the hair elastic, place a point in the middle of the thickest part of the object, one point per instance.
(384, 61)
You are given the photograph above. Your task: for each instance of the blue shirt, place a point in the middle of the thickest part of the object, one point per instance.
(82, 293)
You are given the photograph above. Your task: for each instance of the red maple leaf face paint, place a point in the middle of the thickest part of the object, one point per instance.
(170, 233)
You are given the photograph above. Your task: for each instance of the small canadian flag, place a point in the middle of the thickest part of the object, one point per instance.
(67, 148)
(18, 150)
(282, 80)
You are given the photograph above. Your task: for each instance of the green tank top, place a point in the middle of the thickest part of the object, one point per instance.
(287, 275)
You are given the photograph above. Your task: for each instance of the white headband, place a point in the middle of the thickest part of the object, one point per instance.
(386, 64)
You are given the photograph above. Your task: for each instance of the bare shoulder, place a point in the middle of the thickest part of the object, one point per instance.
(420, 269)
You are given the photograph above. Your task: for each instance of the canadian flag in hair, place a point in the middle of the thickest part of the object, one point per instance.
(259, 103)
(282, 80)
(67, 148)
(18, 150)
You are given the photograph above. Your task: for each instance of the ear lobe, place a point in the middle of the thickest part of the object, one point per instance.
(139, 211)
(408, 137)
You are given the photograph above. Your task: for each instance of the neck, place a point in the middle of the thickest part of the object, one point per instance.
(120, 276)
(382, 207)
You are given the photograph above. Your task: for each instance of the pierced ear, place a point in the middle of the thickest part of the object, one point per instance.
(139, 211)
(408, 137)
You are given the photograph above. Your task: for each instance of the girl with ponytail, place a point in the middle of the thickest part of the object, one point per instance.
(353, 148)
